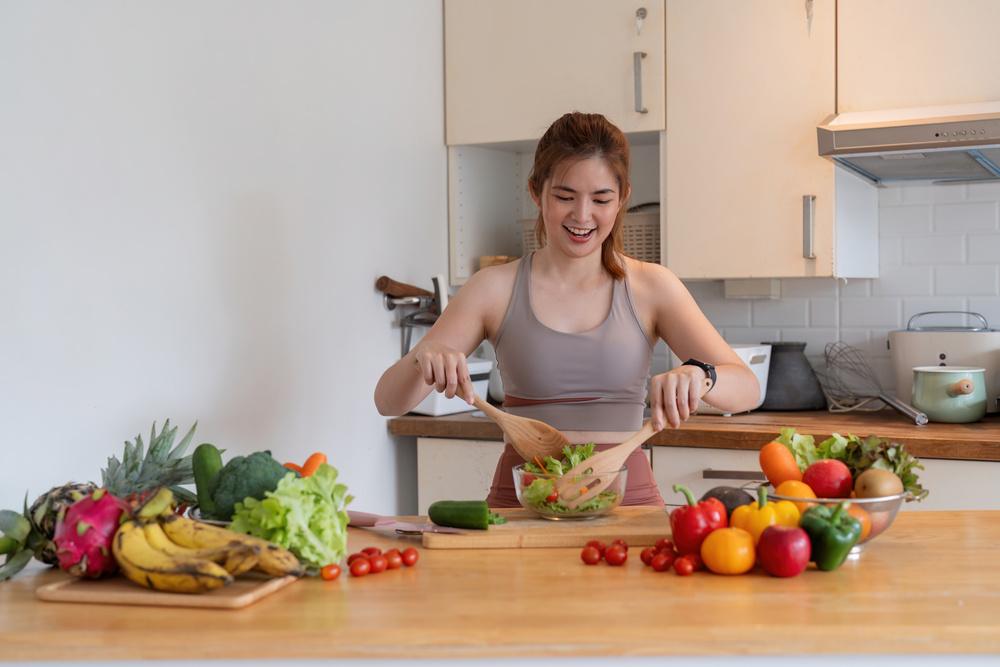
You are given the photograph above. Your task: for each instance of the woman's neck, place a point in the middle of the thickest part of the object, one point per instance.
(581, 271)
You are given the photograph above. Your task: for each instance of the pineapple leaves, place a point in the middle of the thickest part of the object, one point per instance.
(14, 525)
(141, 469)
(179, 450)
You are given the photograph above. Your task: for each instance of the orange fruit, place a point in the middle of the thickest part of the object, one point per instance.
(862, 515)
(778, 463)
(792, 488)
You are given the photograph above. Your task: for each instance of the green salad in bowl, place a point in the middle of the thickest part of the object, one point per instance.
(535, 484)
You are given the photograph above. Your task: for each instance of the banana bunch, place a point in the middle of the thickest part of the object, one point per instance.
(175, 554)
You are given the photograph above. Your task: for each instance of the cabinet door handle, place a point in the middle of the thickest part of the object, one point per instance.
(752, 475)
(808, 225)
(637, 57)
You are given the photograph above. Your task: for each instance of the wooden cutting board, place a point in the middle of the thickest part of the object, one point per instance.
(118, 590)
(524, 529)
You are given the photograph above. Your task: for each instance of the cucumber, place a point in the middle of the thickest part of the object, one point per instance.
(206, 462)
(473, 514)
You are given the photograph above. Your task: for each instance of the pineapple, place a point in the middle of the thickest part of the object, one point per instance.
(139, 473)
(46, 512)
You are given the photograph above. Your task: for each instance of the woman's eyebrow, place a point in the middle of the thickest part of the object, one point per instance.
(603, 191)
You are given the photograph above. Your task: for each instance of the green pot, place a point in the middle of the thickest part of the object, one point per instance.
(955, 394)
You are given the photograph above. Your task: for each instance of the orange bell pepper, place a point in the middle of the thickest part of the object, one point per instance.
(728, 551)
(757, 516)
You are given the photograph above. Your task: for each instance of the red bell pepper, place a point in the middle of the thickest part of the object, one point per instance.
(691, 523)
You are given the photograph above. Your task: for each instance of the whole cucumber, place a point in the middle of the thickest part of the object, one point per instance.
(473, 514)
(206, 462)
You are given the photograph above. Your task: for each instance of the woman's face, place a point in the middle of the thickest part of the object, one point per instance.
(579, 204)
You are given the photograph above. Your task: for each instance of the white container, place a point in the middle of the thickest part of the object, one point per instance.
(435, 404)
(757, 357)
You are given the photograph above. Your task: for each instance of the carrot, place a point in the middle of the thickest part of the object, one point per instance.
(313, 463)
(295, 467)
(778, 463)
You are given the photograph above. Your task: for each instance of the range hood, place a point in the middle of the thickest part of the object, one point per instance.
(942, 144)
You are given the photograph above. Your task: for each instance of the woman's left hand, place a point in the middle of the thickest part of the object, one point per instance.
(674, 395)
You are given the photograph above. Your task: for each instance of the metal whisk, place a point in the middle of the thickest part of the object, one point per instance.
(849, 383)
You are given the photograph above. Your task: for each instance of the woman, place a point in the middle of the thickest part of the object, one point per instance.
(574, 323)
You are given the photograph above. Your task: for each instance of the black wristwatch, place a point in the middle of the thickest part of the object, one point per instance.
(708, 368)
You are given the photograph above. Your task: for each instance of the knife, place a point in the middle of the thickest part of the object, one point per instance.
(366, 520)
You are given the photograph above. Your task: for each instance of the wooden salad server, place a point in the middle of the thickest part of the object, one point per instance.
(529, 437)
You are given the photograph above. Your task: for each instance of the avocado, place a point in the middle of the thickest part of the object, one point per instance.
(730, 496)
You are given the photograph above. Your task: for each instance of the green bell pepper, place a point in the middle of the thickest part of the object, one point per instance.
(832, 533)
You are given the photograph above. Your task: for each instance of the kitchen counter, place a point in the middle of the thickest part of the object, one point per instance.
(928, 586)
(978, 441)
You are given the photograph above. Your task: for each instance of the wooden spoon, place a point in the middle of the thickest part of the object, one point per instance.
(608, 463)
(529, 437)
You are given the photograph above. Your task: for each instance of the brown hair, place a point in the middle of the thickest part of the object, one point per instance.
(579, 136)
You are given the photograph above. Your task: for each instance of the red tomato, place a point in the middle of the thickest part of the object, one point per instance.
(620, 542)
(696, 562)
(410, 556)
(371, 551)
(353, 557)
(526, 479)
(664, 544)
(360, 567)
(616, 555)
(683, 566)
(590, 555)
(600, 546)
(662, 561)
(378, 563)
(552, 497)
(393, 559)
(646, 556)
(330, 572)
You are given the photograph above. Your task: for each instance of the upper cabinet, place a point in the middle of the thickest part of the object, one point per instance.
(746, 193)
(513, 67)
(915, 53)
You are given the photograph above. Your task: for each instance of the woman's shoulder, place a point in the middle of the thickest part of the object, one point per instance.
(493, 282)
(648, 275)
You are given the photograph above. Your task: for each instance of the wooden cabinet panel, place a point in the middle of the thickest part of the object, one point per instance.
(513, 67)
(913, 53)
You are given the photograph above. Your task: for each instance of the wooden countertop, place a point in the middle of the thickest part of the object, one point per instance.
(978, 441)
(927, 586)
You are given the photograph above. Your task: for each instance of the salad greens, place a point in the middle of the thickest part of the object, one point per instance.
(858, 454)
(540, 492)
(306, 515)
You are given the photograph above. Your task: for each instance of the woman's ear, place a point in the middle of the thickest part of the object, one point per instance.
(535, 196)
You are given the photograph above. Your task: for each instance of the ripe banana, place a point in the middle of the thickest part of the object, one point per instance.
(272, 559)
(152, 568)
(235, 558)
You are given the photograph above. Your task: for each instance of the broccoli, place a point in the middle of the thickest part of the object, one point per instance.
(245, 476)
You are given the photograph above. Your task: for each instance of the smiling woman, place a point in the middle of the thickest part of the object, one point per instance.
(574, 323)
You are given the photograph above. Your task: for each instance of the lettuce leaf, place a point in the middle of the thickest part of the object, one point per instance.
(803, 447)
(307, 515)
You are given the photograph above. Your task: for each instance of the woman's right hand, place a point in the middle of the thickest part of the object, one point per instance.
(445, 368)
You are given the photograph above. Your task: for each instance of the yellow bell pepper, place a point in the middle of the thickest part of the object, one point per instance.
(757, 516)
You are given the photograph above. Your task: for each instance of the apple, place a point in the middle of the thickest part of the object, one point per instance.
(784, 551)
(829, 478)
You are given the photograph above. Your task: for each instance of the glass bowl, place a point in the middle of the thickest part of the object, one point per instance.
(875, 514)
(533, 491)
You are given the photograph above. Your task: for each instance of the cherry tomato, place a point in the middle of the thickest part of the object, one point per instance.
(353, 557)
(526, 479)
(410, 556)
(590, 555)
(360, 567)
(378, 563)
(683, 566)
(371, 551)
(647, 555)
(662, 561)
(620, 542)
(664, 544)
(616, 555)
(600, 546)
(696, 561)
(393, 559)
(552, 497)
(330, 572)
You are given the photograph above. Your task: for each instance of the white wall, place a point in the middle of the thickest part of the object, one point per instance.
(195, 201)
(939, 249)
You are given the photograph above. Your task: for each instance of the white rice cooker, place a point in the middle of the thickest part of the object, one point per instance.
(946, 346)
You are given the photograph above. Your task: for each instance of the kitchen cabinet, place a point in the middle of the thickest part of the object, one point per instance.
(513, 67)
(746, 193)
(914, 53)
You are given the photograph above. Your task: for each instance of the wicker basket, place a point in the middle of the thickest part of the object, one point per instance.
(641, 236)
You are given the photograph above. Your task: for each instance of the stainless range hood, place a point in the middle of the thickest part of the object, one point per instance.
(942, 144)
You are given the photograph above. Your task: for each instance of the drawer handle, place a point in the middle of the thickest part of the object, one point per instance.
(754, 475)
(808, 225)
(637, 57)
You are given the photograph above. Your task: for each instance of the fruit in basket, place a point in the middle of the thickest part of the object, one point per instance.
(876, 483)
(140, 473)
(778, 463)
(45, 512)
(783, 551)
(793, 489)
(84, 535)
(829, 478)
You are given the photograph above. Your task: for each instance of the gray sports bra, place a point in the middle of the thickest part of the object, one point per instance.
(590, 381)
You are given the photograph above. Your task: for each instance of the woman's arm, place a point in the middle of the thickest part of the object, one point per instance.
(677, 319)
(438, 360)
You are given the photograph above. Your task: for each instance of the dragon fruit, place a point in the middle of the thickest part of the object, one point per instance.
(83, 536)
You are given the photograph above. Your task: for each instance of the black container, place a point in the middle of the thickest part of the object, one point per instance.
(791, 382)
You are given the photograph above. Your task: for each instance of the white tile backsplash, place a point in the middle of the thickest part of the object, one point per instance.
(939, 249)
